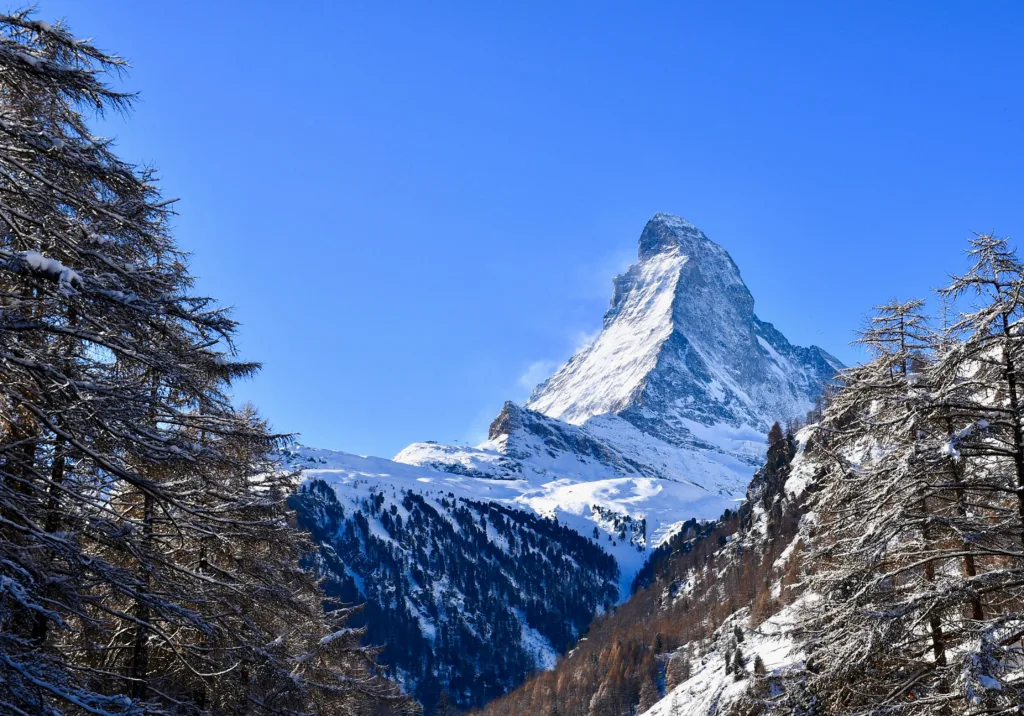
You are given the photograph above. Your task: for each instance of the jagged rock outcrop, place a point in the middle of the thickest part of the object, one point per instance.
(682, 352)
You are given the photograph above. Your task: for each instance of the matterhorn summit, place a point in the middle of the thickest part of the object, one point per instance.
(682, 356)
(681, 384)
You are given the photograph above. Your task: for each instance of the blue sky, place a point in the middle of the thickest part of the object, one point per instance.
(417, 208)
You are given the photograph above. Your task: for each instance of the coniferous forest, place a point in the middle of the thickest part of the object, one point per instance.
(438, 562)
(148, 560)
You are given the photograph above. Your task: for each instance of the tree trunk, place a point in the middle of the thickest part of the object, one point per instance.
(139, 668)
(1018, 438)
(969, 567)
(41, 625)
(934, 622)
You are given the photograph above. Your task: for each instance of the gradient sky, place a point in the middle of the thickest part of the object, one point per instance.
(417, 208)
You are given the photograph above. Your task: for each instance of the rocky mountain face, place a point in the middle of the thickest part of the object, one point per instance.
(656, 426)
(682, 356)
(681, 384)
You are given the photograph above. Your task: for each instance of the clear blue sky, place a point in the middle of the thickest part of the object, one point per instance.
(410, 205)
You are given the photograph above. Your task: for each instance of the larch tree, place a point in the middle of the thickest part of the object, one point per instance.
(147, 563)
(878, 630)
(979, 391)
(918, 553)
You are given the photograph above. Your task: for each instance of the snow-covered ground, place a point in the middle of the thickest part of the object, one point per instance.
(710, 690)
(538, 448)
(662, 503)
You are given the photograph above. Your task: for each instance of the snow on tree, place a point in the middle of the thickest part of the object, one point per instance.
(918, 554)
(881, 609)
(147, 564)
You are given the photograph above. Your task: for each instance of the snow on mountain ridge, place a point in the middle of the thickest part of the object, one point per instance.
(682, 347)
(581, 494)
(681, 385)
(606, 376)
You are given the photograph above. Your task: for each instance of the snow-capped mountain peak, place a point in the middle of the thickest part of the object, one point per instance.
(608, 375)
(663, 417)
(682, 351)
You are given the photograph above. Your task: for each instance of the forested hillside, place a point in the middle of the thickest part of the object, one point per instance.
(468, 597)
(743, 564)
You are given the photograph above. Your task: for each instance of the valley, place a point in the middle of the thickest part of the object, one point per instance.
(658, 424)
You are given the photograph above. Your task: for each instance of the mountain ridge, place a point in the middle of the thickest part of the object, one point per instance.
(687, 305)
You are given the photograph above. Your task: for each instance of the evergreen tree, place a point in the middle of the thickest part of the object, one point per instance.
(145, 551)
(874, 561)
(918, 554)
(738, 668)
(649, 694)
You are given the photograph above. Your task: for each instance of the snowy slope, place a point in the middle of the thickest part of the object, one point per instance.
(609, 375)
(646, 508)
(711, 690)
(524, 444)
